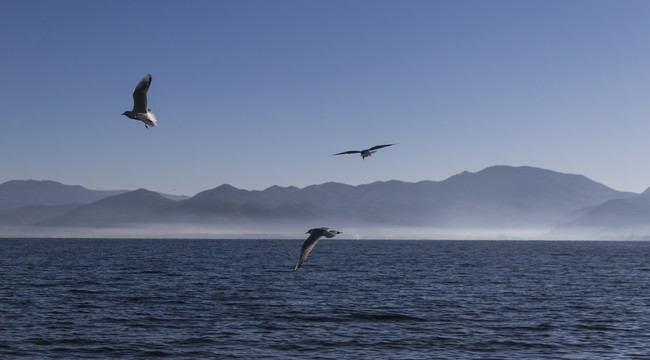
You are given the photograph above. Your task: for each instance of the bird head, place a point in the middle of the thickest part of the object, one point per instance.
(130, 115)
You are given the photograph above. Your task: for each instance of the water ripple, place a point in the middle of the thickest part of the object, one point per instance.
(180, 299)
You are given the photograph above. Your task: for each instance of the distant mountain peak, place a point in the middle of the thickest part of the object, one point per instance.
(30, 184)
(20, 193)
(140, 192)
(226, 187)
(508, 169)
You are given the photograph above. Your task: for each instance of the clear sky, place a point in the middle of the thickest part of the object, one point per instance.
(261, 93)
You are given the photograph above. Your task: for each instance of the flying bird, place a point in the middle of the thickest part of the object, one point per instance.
(365, 153)
(140, 110)
(311, 241)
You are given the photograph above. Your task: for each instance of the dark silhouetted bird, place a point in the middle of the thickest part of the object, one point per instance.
(365, 153)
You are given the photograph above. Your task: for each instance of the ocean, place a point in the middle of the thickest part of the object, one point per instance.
(351, 299)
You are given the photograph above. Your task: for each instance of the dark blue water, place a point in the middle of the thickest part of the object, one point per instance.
(227, 299)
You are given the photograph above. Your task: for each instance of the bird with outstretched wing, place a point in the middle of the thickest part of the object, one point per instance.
(365, 153)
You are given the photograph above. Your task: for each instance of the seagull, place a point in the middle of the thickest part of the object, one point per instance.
(311, 241)
(365, 153)
(140, 110)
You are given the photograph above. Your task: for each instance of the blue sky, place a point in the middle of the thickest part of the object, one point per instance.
(259, 93)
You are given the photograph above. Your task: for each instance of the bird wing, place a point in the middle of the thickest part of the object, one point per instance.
(348, 152)
(140, 95)
(307, 246)
(380, 146)
(329, 233)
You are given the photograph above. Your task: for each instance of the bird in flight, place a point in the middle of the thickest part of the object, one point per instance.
(140, 110)
(311, 241)
(365, 153)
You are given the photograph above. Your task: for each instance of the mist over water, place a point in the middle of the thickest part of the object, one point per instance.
(498, 202)
(296, 230)
(132, 298)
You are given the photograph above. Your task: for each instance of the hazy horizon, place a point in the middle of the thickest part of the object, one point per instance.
(296, 232)
(498, 202)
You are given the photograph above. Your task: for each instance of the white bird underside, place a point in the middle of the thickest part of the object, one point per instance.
(308, 245)
(147, 118)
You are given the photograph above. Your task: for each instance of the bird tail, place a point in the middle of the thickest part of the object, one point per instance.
(152, 117)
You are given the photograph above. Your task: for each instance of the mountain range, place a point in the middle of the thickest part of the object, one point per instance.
(497, 201)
